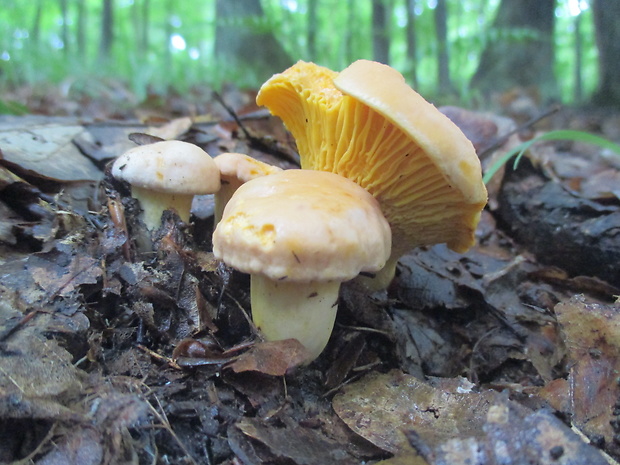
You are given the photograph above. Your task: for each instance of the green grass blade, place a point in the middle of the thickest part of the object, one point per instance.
(564, 134)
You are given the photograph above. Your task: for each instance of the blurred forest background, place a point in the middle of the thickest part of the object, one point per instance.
(465, 51)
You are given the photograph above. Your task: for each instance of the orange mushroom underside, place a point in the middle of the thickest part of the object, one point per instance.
(341, 134)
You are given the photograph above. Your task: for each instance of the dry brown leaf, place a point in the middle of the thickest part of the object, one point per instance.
(273, 358)
(591, 333)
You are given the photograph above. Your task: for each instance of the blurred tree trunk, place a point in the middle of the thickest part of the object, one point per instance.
(168, 33)
(522, 53)
(64, 34)
(140, 23)
(349, 46)
(381, 13)
(578, 87)
(81, 29)
(312, 27)
(107, 30)
(35, 32)
(243, 44)
(441, 35)
(146, 27)
(412, 46)
(607, 24)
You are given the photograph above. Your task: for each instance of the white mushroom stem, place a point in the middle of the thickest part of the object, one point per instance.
(305, 311)
(222, 197)
(155, 203)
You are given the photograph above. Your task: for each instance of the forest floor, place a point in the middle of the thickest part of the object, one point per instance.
(509, 353)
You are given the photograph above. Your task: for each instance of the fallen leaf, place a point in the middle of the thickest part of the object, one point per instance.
(273, 358)
(62, 279)
(591, 333)
(171, 130)
(48, 151)
(304, 446)
(381, 407)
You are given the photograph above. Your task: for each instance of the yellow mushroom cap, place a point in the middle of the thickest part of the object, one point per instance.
(238, 167)
(368, 125)
(172, 167)
(301, 225)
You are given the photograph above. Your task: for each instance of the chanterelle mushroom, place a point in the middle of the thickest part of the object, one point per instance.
(368, 125)
(236, 169)
(167, 175)
(299, 234)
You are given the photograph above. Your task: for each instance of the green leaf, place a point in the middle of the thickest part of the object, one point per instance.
(564, 134)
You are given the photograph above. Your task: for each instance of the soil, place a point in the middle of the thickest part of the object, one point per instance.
(118, 345)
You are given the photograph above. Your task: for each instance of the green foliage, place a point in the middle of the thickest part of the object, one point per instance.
(32, 48)
(565, 134)
(10, 107)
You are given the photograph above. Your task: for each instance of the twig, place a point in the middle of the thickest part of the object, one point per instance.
(25, 319)
(159, 357)
(256, 142)
(233, 115)
(528, 124)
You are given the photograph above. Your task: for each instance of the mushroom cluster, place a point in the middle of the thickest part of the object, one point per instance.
(366, 124)
(383, 171)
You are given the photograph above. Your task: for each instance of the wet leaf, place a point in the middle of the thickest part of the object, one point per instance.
(381, 407)
(48, 151)
(64, 278)
(304, 446)
(591, 393)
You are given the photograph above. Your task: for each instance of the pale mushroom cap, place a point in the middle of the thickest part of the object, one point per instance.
(368, 125)
(240, 167)
(173, 167)
(303, 225)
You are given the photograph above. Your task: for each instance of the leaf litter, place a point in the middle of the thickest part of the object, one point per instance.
(117, 347)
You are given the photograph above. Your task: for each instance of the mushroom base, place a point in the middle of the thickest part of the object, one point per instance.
(303, 311)
(154, 203)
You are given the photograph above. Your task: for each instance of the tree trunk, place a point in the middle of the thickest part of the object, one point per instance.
(578, 86)
(607, 24)
(107, 30)
(312, 27)
(81, 29)
(240, 46)
(381, 12)
(349, 45)
(146, 27)
(522, 53)
(35, 32)
(412, 47)
(441, 34)
(64, 35)
(167, 62)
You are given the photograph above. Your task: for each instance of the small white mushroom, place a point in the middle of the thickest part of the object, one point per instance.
(167, 175)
